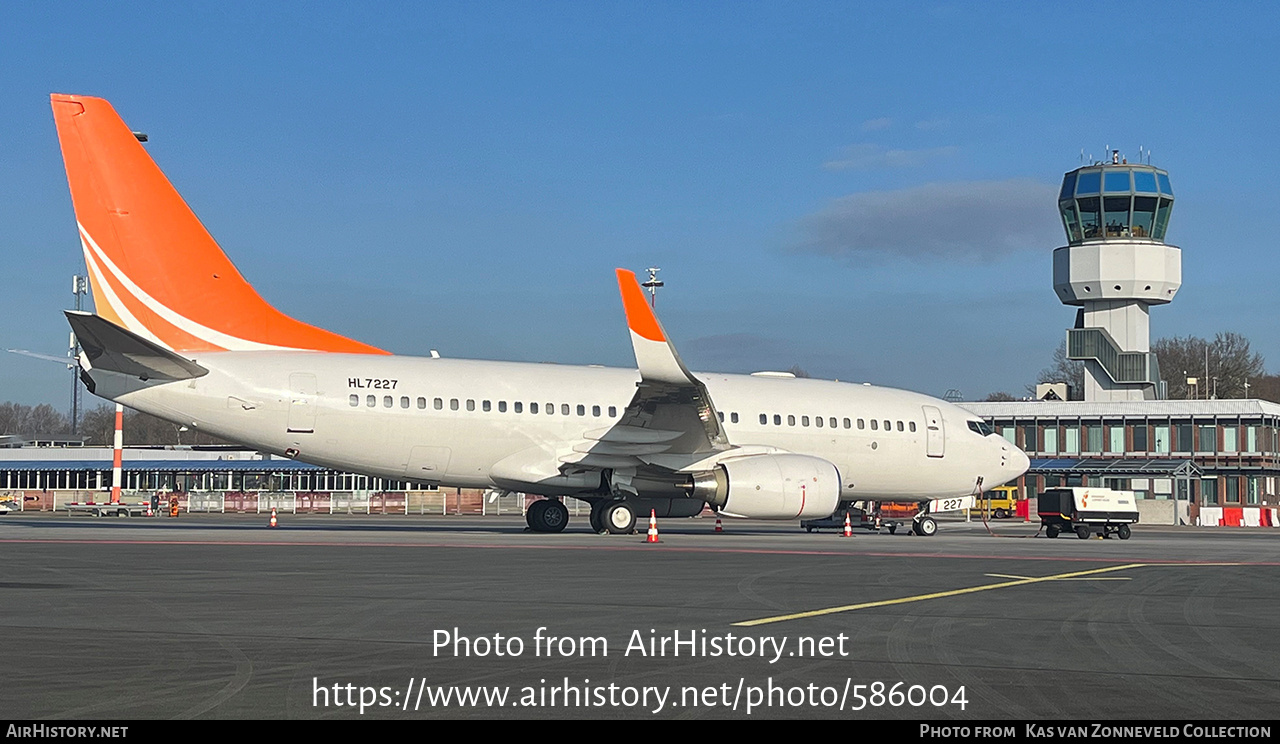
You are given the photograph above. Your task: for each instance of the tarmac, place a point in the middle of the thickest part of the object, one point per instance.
(219, 616)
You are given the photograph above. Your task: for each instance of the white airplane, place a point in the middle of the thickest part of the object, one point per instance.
(179, 333)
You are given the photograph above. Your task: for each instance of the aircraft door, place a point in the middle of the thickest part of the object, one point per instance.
(936, 435)
(302, 403)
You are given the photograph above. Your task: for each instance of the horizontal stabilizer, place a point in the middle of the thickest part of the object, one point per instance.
(109, 347)
(63, 360)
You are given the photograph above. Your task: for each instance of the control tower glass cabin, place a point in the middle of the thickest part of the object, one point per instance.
(1098, 202)
(1114, 267)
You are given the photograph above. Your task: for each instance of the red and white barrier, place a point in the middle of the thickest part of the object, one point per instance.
(1237, 516)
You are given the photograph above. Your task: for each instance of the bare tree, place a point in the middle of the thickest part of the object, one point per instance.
(1221, 366)
(998, 398)
(1063, 370)
(33, 422)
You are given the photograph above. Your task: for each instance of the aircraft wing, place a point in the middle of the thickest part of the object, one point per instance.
(671, 419)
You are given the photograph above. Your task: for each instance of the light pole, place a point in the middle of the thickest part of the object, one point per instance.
(79, 288)
(652, 285)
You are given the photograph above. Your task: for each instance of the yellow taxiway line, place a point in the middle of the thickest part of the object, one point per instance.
(935, 595)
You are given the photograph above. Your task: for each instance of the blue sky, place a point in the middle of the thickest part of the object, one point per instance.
(866, 190)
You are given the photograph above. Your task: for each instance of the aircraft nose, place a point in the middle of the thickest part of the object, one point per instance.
(1019, 461)
(1012, 463)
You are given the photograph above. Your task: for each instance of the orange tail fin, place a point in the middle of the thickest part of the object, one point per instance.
(153, 267)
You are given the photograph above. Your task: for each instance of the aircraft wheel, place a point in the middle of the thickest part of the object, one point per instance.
(1083, 532)
(533, 515)
(1052, 530)
(597, 517)
(619, 517)
(1124, 532)
(555, 516)
(926, 527)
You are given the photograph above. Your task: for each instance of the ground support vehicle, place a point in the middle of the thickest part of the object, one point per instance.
(916, 516)
(1087, 512)
(107, 509)
(1000, 502)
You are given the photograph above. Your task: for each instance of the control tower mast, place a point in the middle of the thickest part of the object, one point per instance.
(1114, 267)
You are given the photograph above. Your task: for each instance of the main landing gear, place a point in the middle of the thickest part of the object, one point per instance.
(616, 517)
(547, 515)
(613, 517)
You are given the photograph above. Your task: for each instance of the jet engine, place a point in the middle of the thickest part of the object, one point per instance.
(770, 487)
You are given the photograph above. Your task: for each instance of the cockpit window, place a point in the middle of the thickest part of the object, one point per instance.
(982, 428)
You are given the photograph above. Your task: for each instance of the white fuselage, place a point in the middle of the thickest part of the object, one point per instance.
(449, 421)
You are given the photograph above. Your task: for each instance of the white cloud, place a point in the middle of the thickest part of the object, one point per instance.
(932, 125)
(871, 125)
(977, 221)
(867, 157)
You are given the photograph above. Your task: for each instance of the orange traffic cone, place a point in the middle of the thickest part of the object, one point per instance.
(848, 528)
(149, 512)
(719, 527)
(273, 522)
(653, 527)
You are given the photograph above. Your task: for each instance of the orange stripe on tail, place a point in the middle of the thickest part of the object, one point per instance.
(155, 270)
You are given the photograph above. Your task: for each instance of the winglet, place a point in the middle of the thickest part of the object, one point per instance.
(655, 355)
(640, 316)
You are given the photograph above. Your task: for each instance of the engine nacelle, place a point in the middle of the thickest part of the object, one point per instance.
(770, 487)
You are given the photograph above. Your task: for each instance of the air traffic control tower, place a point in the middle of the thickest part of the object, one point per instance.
(1114, 267)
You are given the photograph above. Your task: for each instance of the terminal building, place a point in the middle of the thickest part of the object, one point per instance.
(1220, 456)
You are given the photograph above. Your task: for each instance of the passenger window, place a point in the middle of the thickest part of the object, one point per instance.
(721, 415)
(911, 425)
(804, 420)
(502, 406)
(595, 411)
(471, 404)
(764, 418)
(777, 419)
(733, 417)
(874, 425)
(453, 404)
(404, 401)
(888, 425)
(519, 406)
(582, 410)
(533, 408)
(833, 423)
(386, 401)
(355, 400)
(791, 420)
(551, 409)
(899, 426)
(818, 420)
(486, 406)
(613, 411)
(422, 403)
(371, 401)
(438, 404)
(564, 409)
